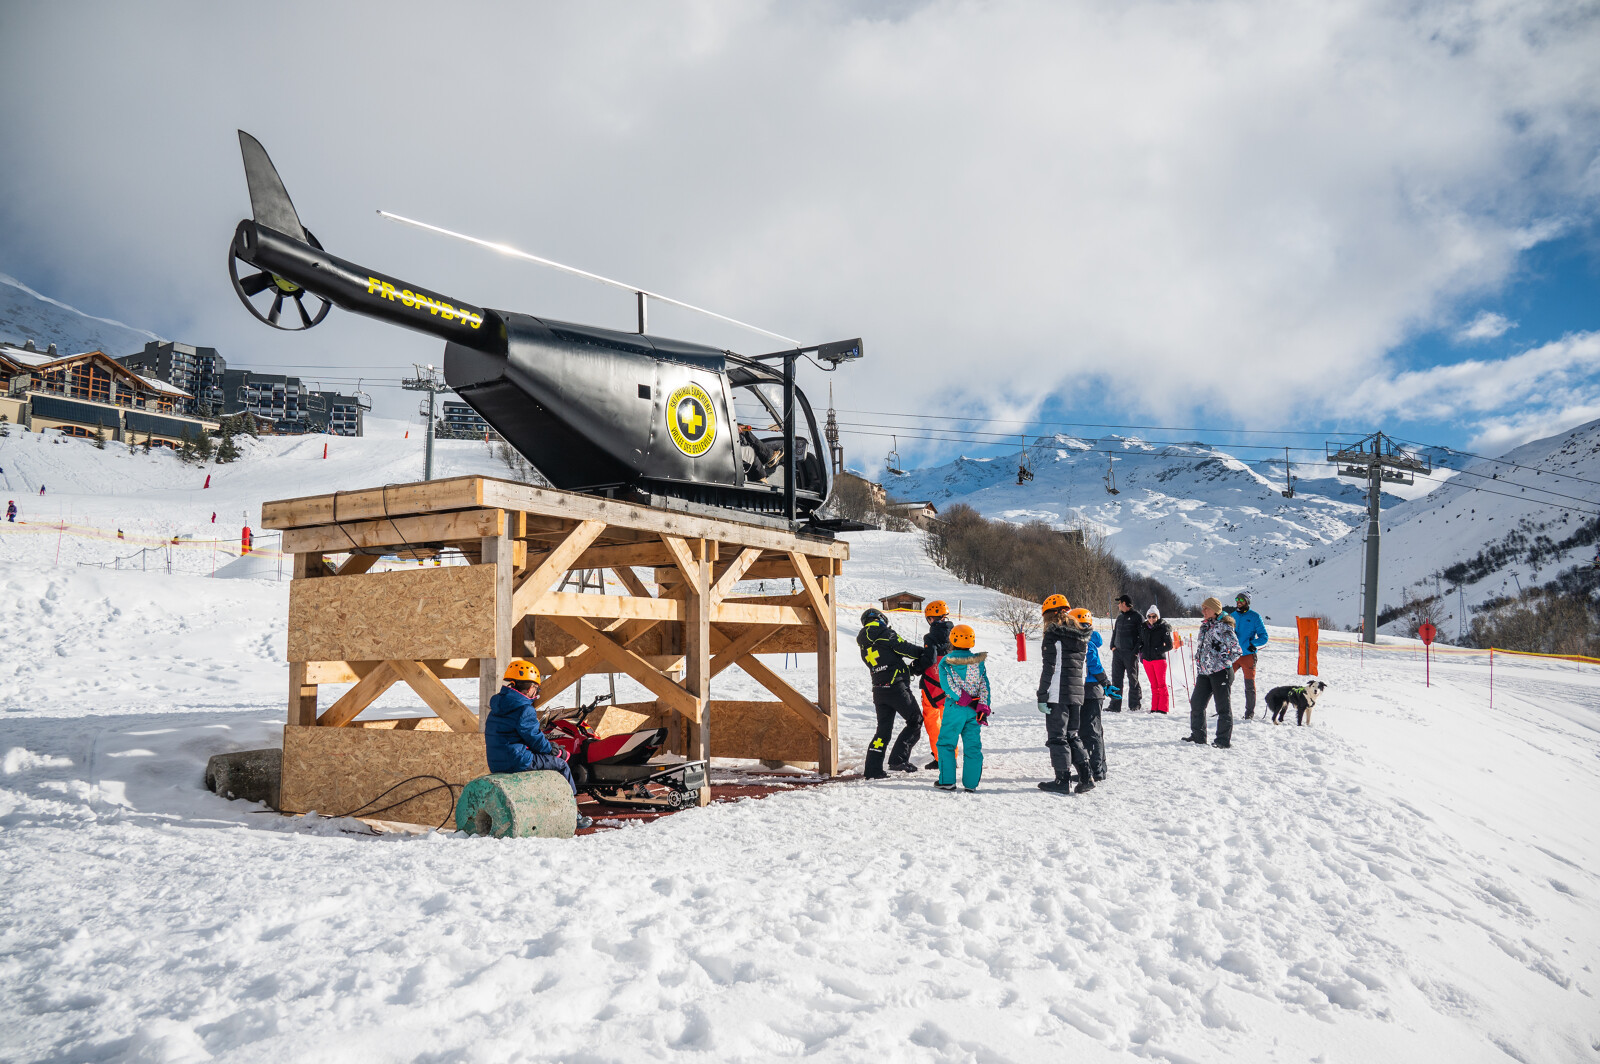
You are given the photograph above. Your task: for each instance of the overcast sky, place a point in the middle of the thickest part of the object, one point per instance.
(1261, 215)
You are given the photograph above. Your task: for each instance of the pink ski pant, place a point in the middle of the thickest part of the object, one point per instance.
(1159, 695)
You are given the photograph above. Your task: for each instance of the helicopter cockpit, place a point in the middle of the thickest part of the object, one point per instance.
(757, 394)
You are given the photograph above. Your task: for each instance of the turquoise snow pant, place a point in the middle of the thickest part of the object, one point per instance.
(960, 725)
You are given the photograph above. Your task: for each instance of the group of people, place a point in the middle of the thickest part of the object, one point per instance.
(1073, 685)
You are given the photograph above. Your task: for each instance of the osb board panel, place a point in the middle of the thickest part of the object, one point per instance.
(429, 724)
(335, 770)
(410, 615)
(763, 730)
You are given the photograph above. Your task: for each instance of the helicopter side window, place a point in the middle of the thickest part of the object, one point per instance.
(760, 429)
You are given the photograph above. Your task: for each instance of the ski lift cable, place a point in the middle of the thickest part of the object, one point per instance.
(1094, 425)
(929, 432)
(1497, 461)
(507, 249)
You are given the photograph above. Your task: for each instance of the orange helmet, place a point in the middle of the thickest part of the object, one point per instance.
(936, 608)
(963, 636)
(522, 670)
(1055, 602)
(1081, 616)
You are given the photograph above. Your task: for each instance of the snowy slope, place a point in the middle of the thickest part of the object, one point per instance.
(1191, 515)
(1381, 886)
(1424, 538)
(27, 315)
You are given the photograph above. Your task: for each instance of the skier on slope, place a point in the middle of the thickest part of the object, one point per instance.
(1125, 655)
(11, 510)
(1155, 642)
(1252, 636)
(889, 658)
(965, 680)
(935, 645)
(1063, 651)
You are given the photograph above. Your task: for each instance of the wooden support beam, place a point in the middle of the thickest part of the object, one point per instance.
(356, 564)
(729, 652)
(748, 612)
(733, 572)
(627, 661)
(696, 568)
(626, 607)
(828, 681)
(682, 556)
(302, 691)
(395, 531)
(819, 602)
(497, 551)
(554, 567)
(359, 697)
(630, 580)
(436, 695)
(325, 672)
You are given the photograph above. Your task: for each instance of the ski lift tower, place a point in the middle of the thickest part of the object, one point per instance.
(1375, 459)
(426, 380)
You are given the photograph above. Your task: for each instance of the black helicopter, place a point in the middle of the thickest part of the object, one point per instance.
(623, 415)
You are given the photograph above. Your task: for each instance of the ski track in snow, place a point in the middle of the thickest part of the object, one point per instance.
(1414, 877)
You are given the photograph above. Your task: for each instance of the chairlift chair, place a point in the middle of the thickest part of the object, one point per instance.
(893, 460)
(1111, 476)
(1024, 471)
(1288, 473)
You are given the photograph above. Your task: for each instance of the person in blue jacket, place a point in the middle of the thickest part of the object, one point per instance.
(1252, 636)
(513, 739)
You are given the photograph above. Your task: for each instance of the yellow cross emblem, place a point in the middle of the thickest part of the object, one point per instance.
(692, 420)
(872, 656)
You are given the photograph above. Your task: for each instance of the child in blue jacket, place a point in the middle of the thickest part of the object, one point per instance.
(966, 709)
(513, 739)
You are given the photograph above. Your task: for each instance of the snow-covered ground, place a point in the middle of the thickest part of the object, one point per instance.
(1416, 877)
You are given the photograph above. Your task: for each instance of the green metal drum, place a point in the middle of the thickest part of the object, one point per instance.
(518, 805)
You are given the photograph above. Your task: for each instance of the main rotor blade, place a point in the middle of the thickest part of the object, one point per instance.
(255, 283)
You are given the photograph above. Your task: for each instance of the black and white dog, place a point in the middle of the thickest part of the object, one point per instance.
(1279, 699)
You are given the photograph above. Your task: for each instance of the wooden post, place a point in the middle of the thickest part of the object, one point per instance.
(697, 654)
(828, 678)
(497, 551)
(302, 695)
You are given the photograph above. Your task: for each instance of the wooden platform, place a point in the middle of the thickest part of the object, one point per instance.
(419, 627)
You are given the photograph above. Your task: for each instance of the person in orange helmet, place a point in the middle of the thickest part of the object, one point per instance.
(935, 645)
(513, 739)
(1064, 651)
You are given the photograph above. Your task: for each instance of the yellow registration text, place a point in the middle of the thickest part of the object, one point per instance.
(379, 287)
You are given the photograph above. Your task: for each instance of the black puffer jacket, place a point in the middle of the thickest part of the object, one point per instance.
(936, 644)
(1063, 649)
(885, 654)
(1155, 640)
(1125, 632)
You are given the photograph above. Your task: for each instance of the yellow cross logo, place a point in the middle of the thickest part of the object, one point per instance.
(872, 656)
(692, 420)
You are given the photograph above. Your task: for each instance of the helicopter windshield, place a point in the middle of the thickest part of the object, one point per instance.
(760, 406)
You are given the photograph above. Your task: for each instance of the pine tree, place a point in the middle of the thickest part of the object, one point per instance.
(186, 447)
(147, 443)
(5, 426)
(228, 452)
(203, 449)
(99, 439)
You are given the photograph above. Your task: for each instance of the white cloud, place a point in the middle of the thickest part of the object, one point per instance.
(1486, 326)
(1222, 208)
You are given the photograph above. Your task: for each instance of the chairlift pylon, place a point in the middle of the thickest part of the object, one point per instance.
(1024, 471)
(893, 460)
(1288, 474)
(1111, 476)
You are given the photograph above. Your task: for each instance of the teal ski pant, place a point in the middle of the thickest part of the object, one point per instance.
(960, 726)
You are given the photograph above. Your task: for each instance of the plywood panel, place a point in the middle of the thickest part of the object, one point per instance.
(336, 770)
(447, 612)
(752, 730)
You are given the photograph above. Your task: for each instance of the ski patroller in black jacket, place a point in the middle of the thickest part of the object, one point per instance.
(1064, 649)
(1125, 632)
(888, 657)
(1155, 640)
(936, 644)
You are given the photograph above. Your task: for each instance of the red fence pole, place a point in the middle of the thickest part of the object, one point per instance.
(1491, 677)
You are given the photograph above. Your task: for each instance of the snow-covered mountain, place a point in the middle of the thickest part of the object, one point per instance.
(1189, 514)
(1494, 528)
(28, 315)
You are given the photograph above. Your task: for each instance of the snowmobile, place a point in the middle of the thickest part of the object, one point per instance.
(617, 769)
(623, 415)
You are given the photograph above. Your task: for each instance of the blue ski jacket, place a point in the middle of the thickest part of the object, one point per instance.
(1251, 632)
(1095, 668)
(511, 735)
